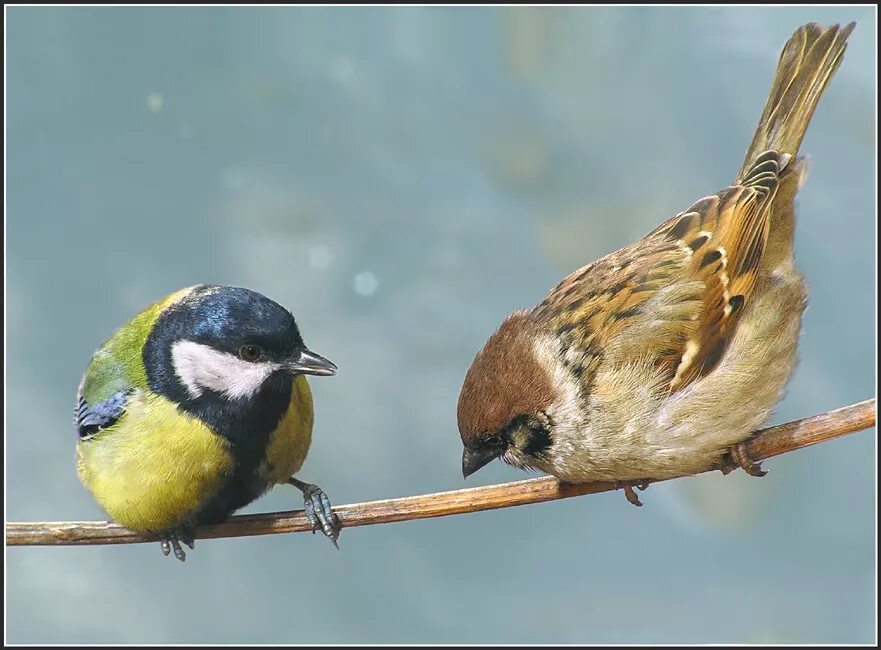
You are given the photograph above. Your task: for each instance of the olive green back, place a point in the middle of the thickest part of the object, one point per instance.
(118, 364)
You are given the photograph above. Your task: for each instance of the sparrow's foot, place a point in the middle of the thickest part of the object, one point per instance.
(740, 456)
(318, 510)
(171, 541)
(726, 465)
(629, 491)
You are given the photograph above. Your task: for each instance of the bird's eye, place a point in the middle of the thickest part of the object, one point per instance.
(250, 352)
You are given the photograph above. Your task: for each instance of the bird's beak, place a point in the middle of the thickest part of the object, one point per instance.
(474, 459)
(305, 362)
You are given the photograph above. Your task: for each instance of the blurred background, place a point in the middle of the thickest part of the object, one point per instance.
(401, 179)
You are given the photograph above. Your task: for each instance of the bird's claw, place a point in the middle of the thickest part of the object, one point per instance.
(740, 456)
(629, 491)
(171, 541)
(320, 513)
(726, 465)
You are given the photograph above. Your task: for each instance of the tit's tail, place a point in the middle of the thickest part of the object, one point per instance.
(807, 63)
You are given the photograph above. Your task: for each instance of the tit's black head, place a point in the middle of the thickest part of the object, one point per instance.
(230, 318)
(225, 343)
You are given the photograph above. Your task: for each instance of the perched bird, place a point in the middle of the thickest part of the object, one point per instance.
(659, 359)
(196, 407)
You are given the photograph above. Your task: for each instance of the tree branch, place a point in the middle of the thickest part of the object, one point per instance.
(764, 444)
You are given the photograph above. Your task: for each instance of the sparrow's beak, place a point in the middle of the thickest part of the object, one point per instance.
(474, 459)
(305, 362)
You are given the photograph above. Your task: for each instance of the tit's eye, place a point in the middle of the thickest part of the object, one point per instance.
(250, 352)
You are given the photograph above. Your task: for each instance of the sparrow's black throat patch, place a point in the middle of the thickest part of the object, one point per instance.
(538, 434)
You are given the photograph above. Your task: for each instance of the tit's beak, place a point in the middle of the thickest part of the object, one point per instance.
(474, 459)
(306, 362)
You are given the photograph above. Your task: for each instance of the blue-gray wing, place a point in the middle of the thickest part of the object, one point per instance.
(91, 418)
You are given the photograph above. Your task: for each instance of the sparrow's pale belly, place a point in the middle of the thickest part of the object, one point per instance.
(647, 433)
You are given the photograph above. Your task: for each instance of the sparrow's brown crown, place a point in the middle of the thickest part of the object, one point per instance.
(504, 382)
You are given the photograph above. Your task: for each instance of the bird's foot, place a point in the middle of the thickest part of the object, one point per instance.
(171, 541)
(319, 512)
(740, 458)
(629, 491)
(726, 465)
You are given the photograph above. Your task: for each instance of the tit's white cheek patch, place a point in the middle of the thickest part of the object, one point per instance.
(200, 368)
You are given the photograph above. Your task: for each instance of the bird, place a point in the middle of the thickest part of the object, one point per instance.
(196, 407)
(659, 360)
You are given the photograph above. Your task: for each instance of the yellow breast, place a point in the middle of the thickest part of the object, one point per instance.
(289, 443)
(155, 467)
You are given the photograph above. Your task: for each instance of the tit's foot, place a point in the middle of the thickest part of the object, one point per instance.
(318, 510)
(741, 459)
(630, 493)
(171, 541)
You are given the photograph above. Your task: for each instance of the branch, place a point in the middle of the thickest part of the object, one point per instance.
(764, 444)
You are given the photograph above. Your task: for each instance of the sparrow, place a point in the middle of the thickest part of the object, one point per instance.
(660, 359)
(196, 407)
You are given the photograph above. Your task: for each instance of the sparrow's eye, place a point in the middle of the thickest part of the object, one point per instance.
(250, 352)
(494, 441)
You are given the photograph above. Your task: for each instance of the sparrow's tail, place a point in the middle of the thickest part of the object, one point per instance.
(807, 63)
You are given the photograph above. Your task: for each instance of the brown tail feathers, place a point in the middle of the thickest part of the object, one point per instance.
(807, 63)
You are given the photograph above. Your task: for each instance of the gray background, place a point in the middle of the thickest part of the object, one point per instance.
(402, 179)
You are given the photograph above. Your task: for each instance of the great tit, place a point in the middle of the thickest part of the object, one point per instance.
(196, 407)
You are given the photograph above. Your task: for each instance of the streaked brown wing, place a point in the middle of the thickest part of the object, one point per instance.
(676, 295)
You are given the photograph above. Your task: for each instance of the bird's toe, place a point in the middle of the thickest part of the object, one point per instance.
(630, 493)
(171, 542)
(741, 457)
(320, 513)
